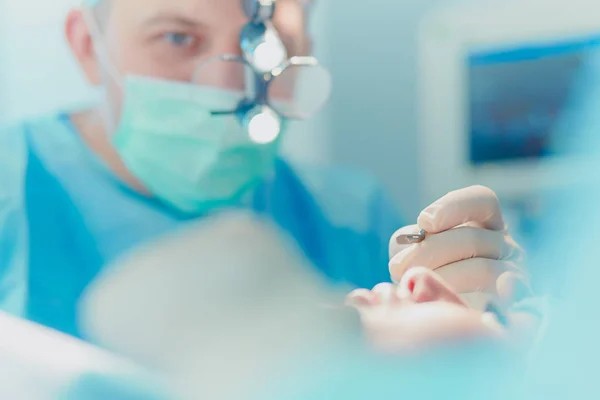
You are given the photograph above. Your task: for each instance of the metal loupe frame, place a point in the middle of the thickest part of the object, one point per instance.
(259, 10)
(261, 97)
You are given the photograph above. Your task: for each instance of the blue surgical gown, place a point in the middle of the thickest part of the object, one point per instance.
(63, 217)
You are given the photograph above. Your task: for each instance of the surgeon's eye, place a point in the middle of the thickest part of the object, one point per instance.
(180, 39)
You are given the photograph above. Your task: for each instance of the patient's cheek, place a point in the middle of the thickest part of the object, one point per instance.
(421, 326)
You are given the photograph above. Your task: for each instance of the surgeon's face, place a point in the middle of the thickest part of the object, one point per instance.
(169, 39)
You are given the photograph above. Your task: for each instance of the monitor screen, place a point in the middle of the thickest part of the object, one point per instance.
(519, 95)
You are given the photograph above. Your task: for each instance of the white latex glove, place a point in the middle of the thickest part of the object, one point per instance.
(468, 246)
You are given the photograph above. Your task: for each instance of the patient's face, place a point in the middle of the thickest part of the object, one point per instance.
(419, 313)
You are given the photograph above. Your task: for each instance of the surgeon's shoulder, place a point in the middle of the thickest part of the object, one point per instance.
(13, 221)
(346, 195)
(13, 162)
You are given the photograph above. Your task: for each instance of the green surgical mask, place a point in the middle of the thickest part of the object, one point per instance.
(185, 155)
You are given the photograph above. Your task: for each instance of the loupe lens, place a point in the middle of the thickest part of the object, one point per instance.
(268, 55)
(250, 8)
(300, 91)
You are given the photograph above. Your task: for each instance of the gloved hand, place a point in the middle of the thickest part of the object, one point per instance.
(467, 245)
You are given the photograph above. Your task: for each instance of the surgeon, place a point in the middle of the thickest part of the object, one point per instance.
(80, 187)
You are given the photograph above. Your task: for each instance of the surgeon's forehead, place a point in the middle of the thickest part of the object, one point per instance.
(209, 12)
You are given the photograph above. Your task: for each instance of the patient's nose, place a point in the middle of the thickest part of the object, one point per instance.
(423, 285)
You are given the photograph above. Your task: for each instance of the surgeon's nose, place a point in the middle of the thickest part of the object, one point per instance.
(222, 71)
(233, 77)
(221, 74)
(423, 285)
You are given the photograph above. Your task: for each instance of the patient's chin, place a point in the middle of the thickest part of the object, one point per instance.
(426, 326)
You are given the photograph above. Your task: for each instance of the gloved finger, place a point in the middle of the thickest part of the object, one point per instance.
(476, 203)
(425, 285)
(475, 274)
(455, 245)
(513, 286)
(394, 247)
